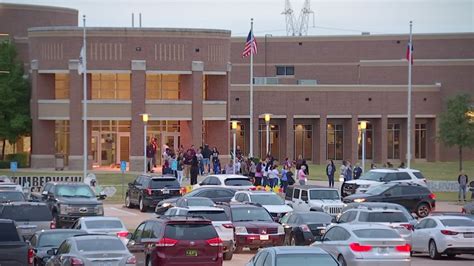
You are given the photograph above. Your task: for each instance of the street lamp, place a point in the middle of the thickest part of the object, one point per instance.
(145, 117)
(363, 127)
(267, 122)
(234, 131)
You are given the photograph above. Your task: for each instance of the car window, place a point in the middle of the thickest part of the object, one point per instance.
(64, 248)
(268, 260)
(137, 235)
(373, 176)
(197, 202)
(296, 194)
(138, 181)
(74, 191)
(237, 182)
(376, 233)
(238, 197)
(304, 195)
(422, 224)
(8, 232)
(148, 230)
(348, 216)
(11, 196)
(204, 193)
(206, 181)
(305, 259)
(267, 199)
(160, 183)
(410, 190)
(30, 213)
(245, 198)
(211, 215)
(54, 239)
(250, 214)
(341, 234)
(430, 223)
(384, 217)
(261, 259)
(457, 222)
(190, 231)
(104, 224)
(76, 225)
(108, 244)
(286, 218)
(224, 193)
(395, 191)
(390, 177)
(403, 176)
(215, 181)
(288, 193)
(320, 194)
(292, 219)
(418, 175)
(330, 234)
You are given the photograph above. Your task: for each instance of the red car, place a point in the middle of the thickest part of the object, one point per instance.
(176, 241)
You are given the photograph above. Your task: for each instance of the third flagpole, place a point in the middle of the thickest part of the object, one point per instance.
(84, 100)
(251, 94)
(409, 133)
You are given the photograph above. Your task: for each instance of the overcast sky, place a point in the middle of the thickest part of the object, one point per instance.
(340, 17)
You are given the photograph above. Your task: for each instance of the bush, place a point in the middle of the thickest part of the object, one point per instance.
(4, 164)
(21, 158)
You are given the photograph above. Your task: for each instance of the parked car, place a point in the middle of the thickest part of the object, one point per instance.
(237, 182)
(13, 249)
(29, 217)
(103, 225)
(303, 228)
(69, 201)
(11, 196)
(468, 209)
(220, 220)
(381, 205)
(147, 190)
(290, 256)
(176, 239)
(365, 244)
(216, 194)
(183, 202)
(377, 177)
(314, 198)
(10, 186)
(274, 204)
(44, 240)
(417, 199)
(438, 235)
(254, 227)
(91, 250)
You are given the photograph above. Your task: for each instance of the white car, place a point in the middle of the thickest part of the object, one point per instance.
(450, 235)
(380, 176)
(220, 220)
(314, 198)
(237, 182)
(273, 203)
(103, 225)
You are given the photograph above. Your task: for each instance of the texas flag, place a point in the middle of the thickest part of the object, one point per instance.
(408, 52)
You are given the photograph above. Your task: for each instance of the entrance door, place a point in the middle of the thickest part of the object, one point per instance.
(95, 148)
(123, 146)
(170, 139)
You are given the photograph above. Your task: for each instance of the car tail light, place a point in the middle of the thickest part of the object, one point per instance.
(31, 256)
(122, 234)
(166, 242)
(131, 260)
(408, 226)
(52, 224)
(215, 242)
(228, 225)
(449, 232)
(432, 196)
(252, 188)
(76, 262)
(359, 248)
(403, 248)
(148, 191)
(305, 228)
(463, 210)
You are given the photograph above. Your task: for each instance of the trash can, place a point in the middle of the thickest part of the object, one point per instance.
(59, 161)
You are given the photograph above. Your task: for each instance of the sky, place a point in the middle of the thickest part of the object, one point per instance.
(331, 17)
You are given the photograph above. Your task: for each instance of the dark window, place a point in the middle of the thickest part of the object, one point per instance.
(285, 70)
(54, 239)
(214, 181)
(206, 181)
(409, 190)
(403, 176)
(103, 224)
(395, 191)
(297, 194)
(139, 181)
(96, 245)
(260, 260)
(342, 234)
(330, 234)
(289, 193)
(148, 230)
(348, 216)
(430, 223)
(418, 175)
(422, 224)
(319, 194)
(376, 233)
(250, 214)
(64, 248)
(163, 183)
(268, 260)
(211, 215)
(385, 217)
(190, 231)
(304, 195)
(237, 182)
(31, 213)
(223, 193)
(305, 259)
(11, 196)
(457, 222)
(8, 232)
(137, 236)
(75, 191)
(390, 177)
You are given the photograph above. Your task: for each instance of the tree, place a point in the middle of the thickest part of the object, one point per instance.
(455, 127)
(15, 118)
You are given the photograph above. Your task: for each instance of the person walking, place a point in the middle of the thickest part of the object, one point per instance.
(200, 158)
(463, 180)
(215, 160)
(330, 170)
(194, 170)
(357, 171)
(302, 177)
(179, 168)
(206, 159)
(284, 178)
(149, 158)
(273, 176)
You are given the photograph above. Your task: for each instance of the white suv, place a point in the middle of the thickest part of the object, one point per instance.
(379, 176)
(220, 220)
(314, 198)
(271, 201)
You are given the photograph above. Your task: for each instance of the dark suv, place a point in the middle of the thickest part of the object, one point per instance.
(176, 240)
(417, 199)
(147, 190)
(29, 217)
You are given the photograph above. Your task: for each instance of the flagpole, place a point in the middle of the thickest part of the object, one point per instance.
(84, 100)
(251, 94)
(409, 99)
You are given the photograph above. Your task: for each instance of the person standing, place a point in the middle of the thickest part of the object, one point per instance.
(258, 173)
(462, 181)
(357, 171)
(179, 168)
(154, 143)
(284, 178)
(330, 170)
(348, 171)
(194, 170)
(273, 176)
(149, 158)
(302, 178)
(206, 159)
(252, 168)
(200, 158)
(342, 171)
(215, 160)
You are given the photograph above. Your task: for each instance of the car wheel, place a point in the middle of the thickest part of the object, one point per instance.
(228, 255)
(142, 205)
(433, 251)
(148, 261)
(341, 260)
(128, 204)
(451, 255)
(423, 210)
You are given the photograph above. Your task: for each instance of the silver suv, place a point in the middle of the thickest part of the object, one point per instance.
(314, 198)
(28, 216)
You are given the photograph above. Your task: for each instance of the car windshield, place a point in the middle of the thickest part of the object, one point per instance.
(383, 217)
(376, 233)
(267, 199)
(237, 182)
(74, 191)
(98, 245)
(11, 196)
(305, 259)
(54, 239)
(457, 222)
(418, 175)
(26, 213)
(199, 202)
(373, 176)
(376, 190)
(316, 217)
(250, 214)
(190, 231)
(158, 183)
(104, 224)
(211, 215)
(319, 194)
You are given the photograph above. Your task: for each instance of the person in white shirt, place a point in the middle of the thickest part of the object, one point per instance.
(273, 176)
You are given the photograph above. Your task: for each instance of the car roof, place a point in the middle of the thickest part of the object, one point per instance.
(94, 236)
(377, 210)
(6, 184)
(168, 219)
(357, 226)
(56, 231)
(194, 198)
(313, 187)
(297, 250)
(68, 183)
(448, 217)
(243, 205)
(23, 203)
(393, 170)
(201, 208)
(225, 176)
(252, 192)
(100, 218)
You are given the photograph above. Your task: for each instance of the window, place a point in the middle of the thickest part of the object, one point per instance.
(376, 233)
(390, 177)
(296, 195)
(285, 70)
(85, 245)
(420, 141)
(61, 140)
(304, 195)
(303, 141)
(393, 141)
(8, 232)
(61, 86)
(395, 191)
(418, 175)
(430, 223)
(26, 213)
(137, 236)
(164, 87)
(190, 231)
(335, 142)
(111, 86)
(260, 260)
(305, 259)
(385, 217)
(64, 248)
(211, 215)
(237, 182)
(104, 224)
(274, 141)
(403, 176)
(148, 231)
(457, 222)
(348, 216)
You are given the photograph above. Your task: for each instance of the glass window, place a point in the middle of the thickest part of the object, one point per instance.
(9, 232)
(237, 182)
(137, 236)
(335, 141)
(110, 86)
(261, 258)
(386, 217)
(348, 216)
(61, 86)
(190, 231)
(267, 199)
(285, 70)
(296, 195)
(274, 140)
(29, 213)
(250, 214)
(54, 239)
(457, 222)
(304, 195)
(403, 176)
(61, 140)
(303, 141)
(163, 183)
(305, 259)
(319, 194)
(376, 233)
(164, 87)
(74, 191)
(420, 141)
(393, 141)
(211, 215)
(104, 224)
(97, 245)
(418, 175)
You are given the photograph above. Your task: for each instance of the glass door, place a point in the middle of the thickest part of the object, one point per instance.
(123, 147)
(95, 148)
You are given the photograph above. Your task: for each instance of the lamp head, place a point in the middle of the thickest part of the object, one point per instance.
(363, 125)
(267, 117)
(234, 124)
(145, 117)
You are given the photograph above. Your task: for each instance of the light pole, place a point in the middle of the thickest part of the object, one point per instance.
(145, 121)
(267, 123)
(363, 127)
(234, 131)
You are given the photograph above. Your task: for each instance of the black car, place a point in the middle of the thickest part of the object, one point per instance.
(11, 196)
(44, 240)
(147, 190)
(216, 194)
(303, 228)
(417, 199)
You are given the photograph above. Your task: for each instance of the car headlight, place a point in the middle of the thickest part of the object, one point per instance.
(359, 200)
(166, 205)
(99, 210)
(281, 230)
(64, 209)
(240, 230)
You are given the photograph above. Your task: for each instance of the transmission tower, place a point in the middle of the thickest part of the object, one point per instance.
(289, 18)
(297, 27)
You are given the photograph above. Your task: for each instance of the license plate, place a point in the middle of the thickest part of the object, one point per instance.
(191, 253)
(468, 235)
(166, 191)
(105, 263)
(264, 237)
(383, 250)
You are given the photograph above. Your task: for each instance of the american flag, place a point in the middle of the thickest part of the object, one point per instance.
(250, 45)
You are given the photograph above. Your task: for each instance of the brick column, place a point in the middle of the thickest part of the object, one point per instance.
(323, 124)
(137, 94)
(197, 68)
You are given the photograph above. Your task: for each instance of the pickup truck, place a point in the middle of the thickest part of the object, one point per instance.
(13, 250)
(69, 201)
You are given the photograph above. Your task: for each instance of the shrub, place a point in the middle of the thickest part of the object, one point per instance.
(21, 158)
(4, 164)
